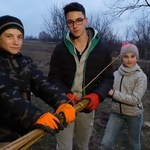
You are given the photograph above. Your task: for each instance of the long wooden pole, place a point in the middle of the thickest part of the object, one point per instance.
(24, 142)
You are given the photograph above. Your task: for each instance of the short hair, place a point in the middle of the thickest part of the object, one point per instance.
(74, 6)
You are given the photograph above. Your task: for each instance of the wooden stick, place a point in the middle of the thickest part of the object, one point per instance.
(30, 138)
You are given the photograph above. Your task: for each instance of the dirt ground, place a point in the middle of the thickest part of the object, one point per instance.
(41, 55)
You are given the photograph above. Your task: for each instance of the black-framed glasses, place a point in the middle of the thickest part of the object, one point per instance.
(78, 21)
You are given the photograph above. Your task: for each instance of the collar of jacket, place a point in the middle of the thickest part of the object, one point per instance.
(4, 52)
(93, 42)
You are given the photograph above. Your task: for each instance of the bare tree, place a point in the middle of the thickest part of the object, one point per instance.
(118, 7)
(54, 23)
(127, 33)
(101, 24)
(43, 36)
(142, 37)
(138, 32)
(104, 26)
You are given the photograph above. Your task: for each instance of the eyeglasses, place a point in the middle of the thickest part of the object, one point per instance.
(78, 21)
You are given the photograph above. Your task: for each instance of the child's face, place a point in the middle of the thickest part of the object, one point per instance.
(129, 60)
(11, 40)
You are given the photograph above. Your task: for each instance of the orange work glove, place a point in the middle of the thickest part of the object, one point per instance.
(68, 111)
(49, 123)
(74, 99)
(94, 101)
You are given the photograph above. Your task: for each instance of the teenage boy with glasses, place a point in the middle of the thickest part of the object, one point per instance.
(74, 63)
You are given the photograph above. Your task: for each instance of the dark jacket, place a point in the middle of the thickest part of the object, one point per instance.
(63, 67)
(18, 77)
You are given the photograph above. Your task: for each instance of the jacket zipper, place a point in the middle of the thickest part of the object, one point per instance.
(120, 91)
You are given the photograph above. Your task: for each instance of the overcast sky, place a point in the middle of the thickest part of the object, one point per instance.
(31, 12)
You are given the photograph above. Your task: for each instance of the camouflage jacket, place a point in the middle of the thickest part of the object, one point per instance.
(19, 76)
